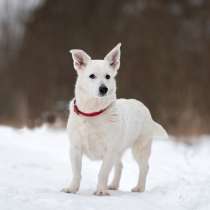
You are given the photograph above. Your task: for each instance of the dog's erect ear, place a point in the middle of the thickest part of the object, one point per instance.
(113, 57)
(80, 58)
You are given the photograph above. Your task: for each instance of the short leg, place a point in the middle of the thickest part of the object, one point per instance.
(142, 154)
(76, 164)
(106, 167)
(117, 175)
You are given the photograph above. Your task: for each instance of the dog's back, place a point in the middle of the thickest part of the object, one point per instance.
(138, 119)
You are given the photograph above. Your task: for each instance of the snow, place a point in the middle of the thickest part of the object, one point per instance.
(34, 167)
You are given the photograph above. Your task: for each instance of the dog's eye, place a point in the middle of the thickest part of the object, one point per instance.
(92, 76)
(107, 76)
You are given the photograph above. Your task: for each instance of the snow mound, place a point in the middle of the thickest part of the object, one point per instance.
(35, 167)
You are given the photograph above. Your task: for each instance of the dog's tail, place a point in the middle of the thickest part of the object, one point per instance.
(159, 131)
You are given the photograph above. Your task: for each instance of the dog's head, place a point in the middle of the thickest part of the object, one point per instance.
(96, 78)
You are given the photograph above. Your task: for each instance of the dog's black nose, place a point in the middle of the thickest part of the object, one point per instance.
(103, 90)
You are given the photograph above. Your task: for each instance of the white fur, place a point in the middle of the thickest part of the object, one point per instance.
(126, 123)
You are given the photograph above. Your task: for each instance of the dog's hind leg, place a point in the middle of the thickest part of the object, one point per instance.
(117, 175)
(141, 151)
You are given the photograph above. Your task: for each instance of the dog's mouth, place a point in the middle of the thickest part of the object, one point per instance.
(102, 96)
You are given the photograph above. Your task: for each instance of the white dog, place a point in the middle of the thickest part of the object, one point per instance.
(103, 127)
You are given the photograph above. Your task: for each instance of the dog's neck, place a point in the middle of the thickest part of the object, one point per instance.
(89, 104)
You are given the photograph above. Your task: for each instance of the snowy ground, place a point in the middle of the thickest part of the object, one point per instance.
(34, 167)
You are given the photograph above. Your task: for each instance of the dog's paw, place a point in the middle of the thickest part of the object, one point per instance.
(113, 187)
(70, 189)
(102, 193)
(137, 189)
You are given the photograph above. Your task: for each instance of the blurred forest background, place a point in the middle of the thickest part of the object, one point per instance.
(165, 57)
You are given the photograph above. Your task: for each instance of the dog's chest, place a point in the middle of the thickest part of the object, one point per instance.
(95, 136)
(94, 142)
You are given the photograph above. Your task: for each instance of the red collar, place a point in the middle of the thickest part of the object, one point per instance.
(91, 114)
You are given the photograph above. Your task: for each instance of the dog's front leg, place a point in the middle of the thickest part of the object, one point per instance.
(76, 165)
(103, 176)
